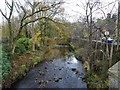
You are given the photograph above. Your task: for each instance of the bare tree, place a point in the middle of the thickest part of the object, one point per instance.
(118, 26)
(10, 7)
(90, 5)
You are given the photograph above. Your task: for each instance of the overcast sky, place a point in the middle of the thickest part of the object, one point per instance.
(75, 11)
(75, 8)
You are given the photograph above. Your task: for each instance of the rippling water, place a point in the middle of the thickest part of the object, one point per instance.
(64, 72)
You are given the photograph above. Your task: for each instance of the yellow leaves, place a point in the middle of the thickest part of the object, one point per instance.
(86, 65)
(97, 61)
(38, 33)
(37, 38)
(61, 22)
(48, 39)
(95, 76)
(30, 40)
(45, 8)
(58, 29)
(42, 20)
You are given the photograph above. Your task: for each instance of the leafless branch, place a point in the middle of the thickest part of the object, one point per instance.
(11, 9)
(3, 14)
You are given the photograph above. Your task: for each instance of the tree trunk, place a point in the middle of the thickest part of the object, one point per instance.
(33, 37)
(90, 39)
(33, 42)
(96, 46)
(33, 30)
(11, 36)
(118, 26)
(13, 48)
(111, 54)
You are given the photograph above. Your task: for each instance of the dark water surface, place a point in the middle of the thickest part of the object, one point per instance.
(64, 72)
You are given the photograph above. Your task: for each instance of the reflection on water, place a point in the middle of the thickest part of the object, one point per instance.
(62, 46)
(63, 50)
(72, 59)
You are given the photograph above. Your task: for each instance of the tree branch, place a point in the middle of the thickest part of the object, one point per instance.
(3, 14)
(11, 9)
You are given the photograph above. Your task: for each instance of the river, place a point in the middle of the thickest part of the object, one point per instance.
(63, 72)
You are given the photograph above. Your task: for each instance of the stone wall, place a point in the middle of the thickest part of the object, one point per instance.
(114, 76)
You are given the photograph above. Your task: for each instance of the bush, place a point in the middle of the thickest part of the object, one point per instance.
(7, 48)
(22, 69)
(98, 77)
(116, 56)
(101, 67)
(6, 65)
(35, 60)
(23, 45)
(95, 81)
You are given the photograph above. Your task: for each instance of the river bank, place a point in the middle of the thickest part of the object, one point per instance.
(22, 63)
(64, 72)
(32, 61)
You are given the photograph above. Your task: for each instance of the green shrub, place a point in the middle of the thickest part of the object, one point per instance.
(116, 56)
(23, 45)
(98, 77)
(6, 65)
(7, 48)
(22, 69)
(36, 60)
(79, 51)
(95, 81)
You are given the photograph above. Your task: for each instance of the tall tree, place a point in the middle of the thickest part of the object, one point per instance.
(118, 26)
(10, 7)
(90, 5)
(26, 17)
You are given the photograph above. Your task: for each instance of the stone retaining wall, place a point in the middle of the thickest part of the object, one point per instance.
(114, 76)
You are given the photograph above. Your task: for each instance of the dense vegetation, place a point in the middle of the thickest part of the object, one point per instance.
(97, 57)
(32, 38)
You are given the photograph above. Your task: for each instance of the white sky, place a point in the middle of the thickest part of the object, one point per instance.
(76, 11)
(72, 10)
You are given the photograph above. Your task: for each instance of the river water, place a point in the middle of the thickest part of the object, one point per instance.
(63, 72)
